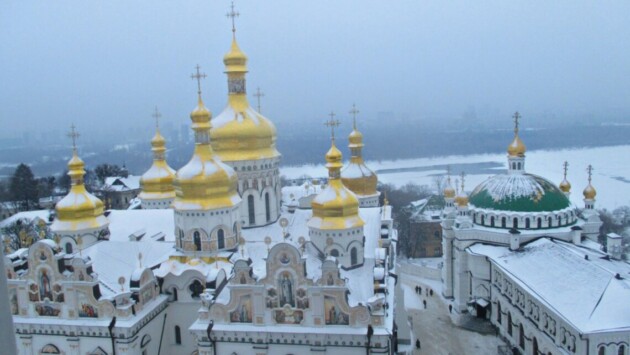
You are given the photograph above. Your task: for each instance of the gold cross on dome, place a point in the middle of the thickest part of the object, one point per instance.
(354, 113)
(73, 134)
(156, 114)
(589, 169)
(565, 166)
(232, 14)
(516, 117)
(199, 75)
(332, 123)
(258, 95)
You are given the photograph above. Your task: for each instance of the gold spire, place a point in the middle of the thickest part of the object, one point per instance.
(589, 191)
(336, 207)
(449, 191)
(462, 199)
(205, 182)
(79, 209)
(157, 182)
(356, 175)
(517, 147)
(565, 185)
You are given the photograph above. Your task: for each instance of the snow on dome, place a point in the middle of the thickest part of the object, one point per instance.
(519, 193)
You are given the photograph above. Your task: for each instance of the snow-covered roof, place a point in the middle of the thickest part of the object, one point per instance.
(585, 292)
(119, 183)
(149, 224)
(27, 215)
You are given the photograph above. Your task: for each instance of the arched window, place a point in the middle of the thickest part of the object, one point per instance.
(491, 221)
(519, 166)
(174, 293)
(221, 238)
(483, 220)
(353, 256)
(513, 166)
(601, 351)
(509, 325)
(499, 313)
(535, 346)
(550, 222)
(250, 209)
(521, 336)
(50, 349)
(515, 222)
(267, 211)
(539, 222)
(196, 288)
(527, 223)
(621, 350)
(503, 222)
(334, 253)
(178, 335)
(197, 240)
(68, 248)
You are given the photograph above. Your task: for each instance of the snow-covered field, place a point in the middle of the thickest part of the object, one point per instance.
(611, 174)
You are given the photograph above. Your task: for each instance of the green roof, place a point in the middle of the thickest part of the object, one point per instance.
(519, 193)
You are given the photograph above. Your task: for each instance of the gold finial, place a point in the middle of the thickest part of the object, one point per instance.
(232, 14)
(516, 117)
(354, 113)
(156, 114)
(463, 175)
(589, 169)
(332, 123)
(258, 95)
(565, 167)
(73, 134)
(198, 76)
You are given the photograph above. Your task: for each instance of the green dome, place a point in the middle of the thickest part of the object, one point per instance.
(518, 193)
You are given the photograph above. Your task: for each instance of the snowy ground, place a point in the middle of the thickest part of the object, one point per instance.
(433, 326)
(611, 175)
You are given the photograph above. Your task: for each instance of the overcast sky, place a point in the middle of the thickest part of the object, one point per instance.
(110, 62)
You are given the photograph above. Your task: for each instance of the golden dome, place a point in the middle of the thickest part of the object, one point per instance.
(589, 192)
(449, 191)
(356, 175)
(157, 182)
(79, 209)
(565, 186)
(462, 199)
(205, 182)
(239, 132)
(517, 147)
(335, 207)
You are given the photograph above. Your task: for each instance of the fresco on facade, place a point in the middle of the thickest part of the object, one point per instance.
(85, 308)
(288, 316)
(333, 314)
(45, 290)
(48, 309)
(286, 290)
(242, 313)
(33, 293)
(13, 300)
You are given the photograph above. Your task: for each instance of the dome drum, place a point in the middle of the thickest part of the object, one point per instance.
(523, 221)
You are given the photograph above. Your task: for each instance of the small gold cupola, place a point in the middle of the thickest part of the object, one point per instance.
(449, 192)
(590, 192)
(517, 147)
(462, 198)
(356, 175)
(239, 132)
(79, 210)
(157, 182)
(205, 182)
(565, 185)
(336, 207)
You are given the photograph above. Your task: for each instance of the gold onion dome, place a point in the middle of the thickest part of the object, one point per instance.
(336, 207)
(565, 186)
(590, 192)
(239, 132)
(205, 182)
(517, 147)
(356, 175)
(157, 182)
(462, 199)
(79, 209)
(449, 191)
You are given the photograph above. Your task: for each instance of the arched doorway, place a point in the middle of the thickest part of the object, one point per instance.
(221, 238)
(250, 209)
(197, 240)
(353, 256)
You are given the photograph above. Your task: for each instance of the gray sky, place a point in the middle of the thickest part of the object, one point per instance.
(107, 63)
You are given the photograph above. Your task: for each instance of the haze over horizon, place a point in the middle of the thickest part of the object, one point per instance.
(105, 65)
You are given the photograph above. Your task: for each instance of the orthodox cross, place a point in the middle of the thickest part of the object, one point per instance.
(354, 113)
(332, 123)
(73, 135)
(448, 174)
(258, 95)
(198, 76)
(157, 116)
(463, 175)
(232, 14)
(516, 116)
(589, 169)
(565, 166)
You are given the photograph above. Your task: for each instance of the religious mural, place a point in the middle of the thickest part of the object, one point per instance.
(13, 301)
(45, 290)
(86, 310)
(242, 313)
(288, 316)
(286, 289)
(333, 314)
(48, 309)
